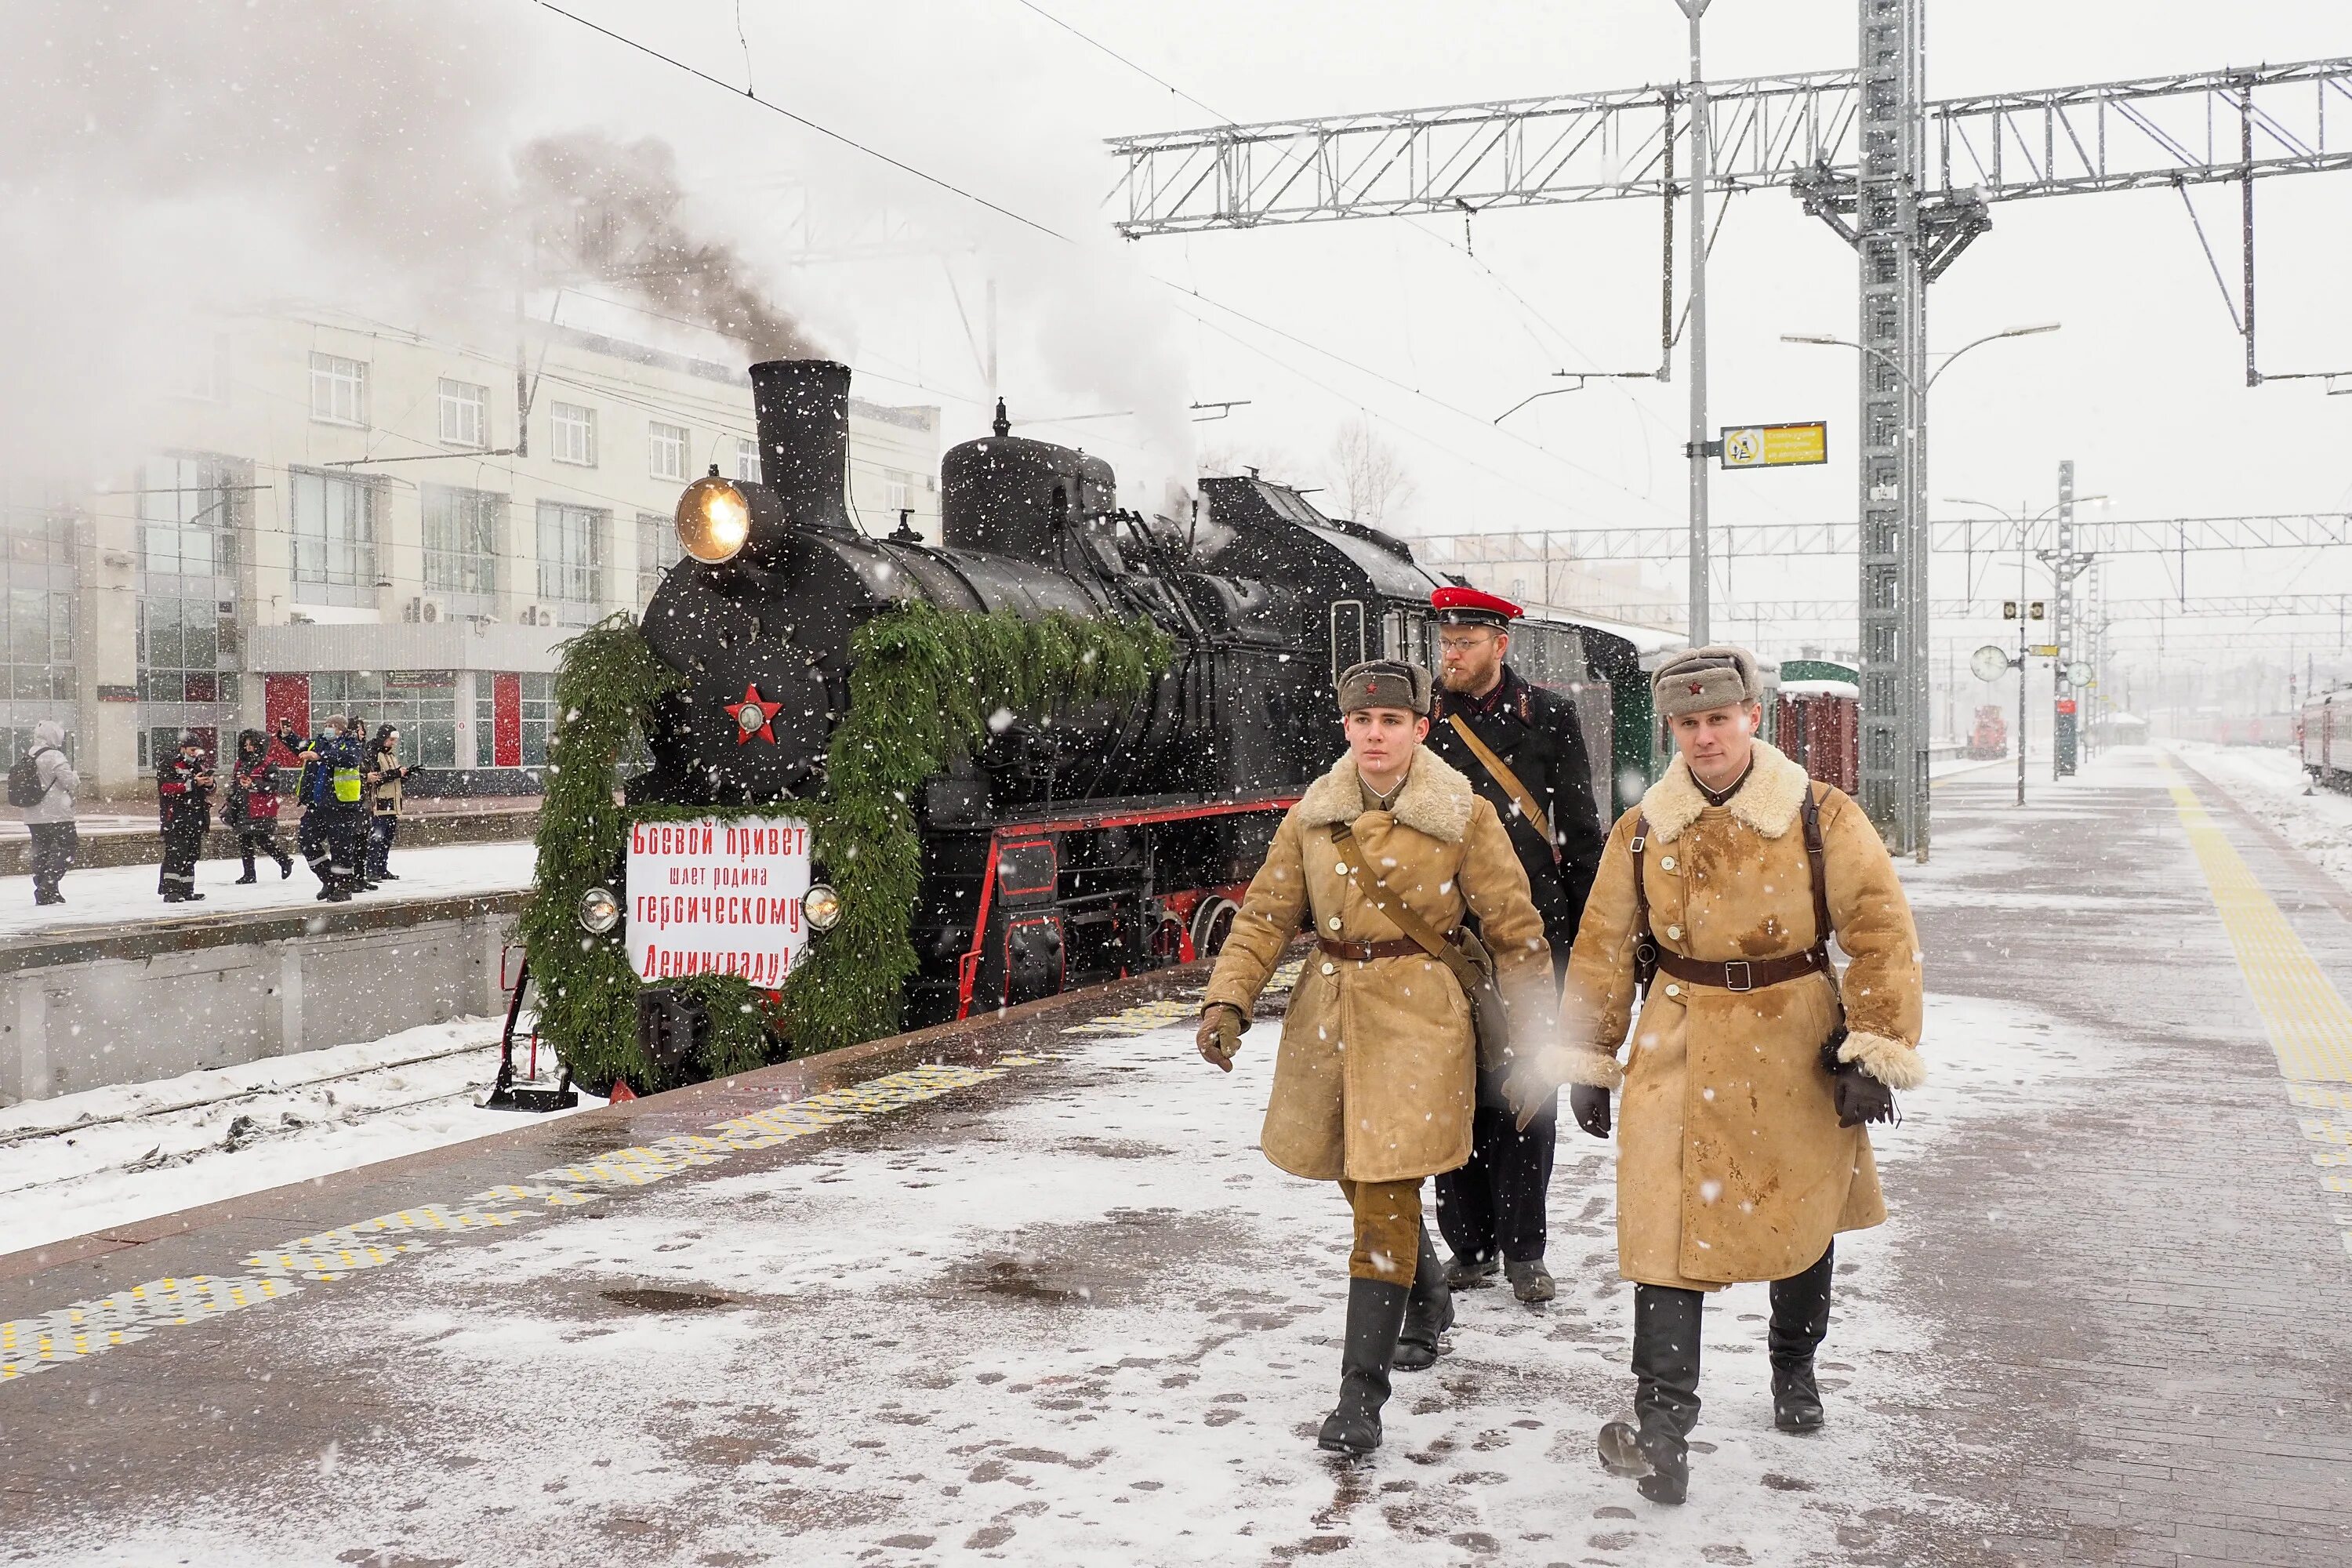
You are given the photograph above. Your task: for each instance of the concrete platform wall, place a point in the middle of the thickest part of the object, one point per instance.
(79, 1013)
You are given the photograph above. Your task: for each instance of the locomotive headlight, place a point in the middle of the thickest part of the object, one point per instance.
(713, 519)
(822, 906)
(599, 911)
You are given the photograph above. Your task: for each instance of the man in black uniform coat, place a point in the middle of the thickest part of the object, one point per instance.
(1491, 1209)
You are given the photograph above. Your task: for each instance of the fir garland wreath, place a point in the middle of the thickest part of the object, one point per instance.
(924, 683)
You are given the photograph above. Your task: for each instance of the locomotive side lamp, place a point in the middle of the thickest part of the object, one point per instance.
(713, 520)
(821, 907)
(599, 911)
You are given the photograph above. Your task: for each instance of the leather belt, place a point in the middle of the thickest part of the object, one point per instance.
(1743, 975)
(1365, 951)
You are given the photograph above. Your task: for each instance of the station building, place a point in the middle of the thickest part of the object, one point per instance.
(340, 515)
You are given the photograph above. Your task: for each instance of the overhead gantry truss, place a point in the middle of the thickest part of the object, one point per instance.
(1764, 132)
(2151, 536)
(1984, 608)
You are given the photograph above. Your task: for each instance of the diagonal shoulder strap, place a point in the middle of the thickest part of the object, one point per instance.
(1422, 932)
(1645, 945)
(1817, 854)
(1502, 775)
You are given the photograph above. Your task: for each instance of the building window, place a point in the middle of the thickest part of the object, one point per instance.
(658, 551)
(464, 414)
(186, 521)
(463, 537)
(747, 460)
(179, 648)
(422, 704)
(337, 390)
(666, 446)
(898, 491)
(575, 434)
(335, 539)
(39, 647)
(570, 554)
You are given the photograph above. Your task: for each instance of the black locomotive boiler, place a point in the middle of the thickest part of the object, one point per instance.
(1094, 840)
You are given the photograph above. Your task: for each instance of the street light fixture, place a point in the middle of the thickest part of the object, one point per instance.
(1913, 700)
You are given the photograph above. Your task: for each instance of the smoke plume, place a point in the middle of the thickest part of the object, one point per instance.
(616, 212)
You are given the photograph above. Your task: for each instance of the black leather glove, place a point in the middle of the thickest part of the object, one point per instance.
(1860, 1097)
(1219, 1035)
(1588, 1103)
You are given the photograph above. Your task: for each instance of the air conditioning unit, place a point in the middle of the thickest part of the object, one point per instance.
(424, 611)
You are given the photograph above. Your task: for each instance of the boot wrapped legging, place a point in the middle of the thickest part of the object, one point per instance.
(1388, 1229)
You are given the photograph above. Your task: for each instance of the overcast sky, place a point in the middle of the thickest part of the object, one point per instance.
(2143, 388)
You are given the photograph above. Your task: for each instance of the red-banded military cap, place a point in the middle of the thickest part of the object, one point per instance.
(1470, 608)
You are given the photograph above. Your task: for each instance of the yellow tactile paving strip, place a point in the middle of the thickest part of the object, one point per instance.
(84, 1328)
(2309, 1025)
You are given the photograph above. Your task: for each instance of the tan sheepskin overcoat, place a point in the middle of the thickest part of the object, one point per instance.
(1376, 1074)
(1731, 1164)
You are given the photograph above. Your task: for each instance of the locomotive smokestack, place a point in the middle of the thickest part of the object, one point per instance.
(803, 408)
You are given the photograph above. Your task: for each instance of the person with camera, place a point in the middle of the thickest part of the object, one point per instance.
(1743, 1149)
(384, 776)
(1374, 1081)
(44, 782)
(333, 815)
(252, 805)
(183, 800)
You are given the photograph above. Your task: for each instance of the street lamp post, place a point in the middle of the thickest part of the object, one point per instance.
(1696, 447)
(1905, 813)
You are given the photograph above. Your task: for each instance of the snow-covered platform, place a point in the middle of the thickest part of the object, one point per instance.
(115, 986)
(1025, 1291)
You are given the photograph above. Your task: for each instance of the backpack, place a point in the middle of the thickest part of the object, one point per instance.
(24, 787)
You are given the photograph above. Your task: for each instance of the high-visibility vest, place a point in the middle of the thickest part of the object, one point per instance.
(347, 786)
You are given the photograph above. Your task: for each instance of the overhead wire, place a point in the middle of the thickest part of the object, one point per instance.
(1140, 70)
(1476, 420)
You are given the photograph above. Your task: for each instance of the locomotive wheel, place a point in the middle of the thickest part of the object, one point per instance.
(1212, 923)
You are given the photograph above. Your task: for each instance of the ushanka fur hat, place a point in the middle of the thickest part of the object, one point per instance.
(1385, 683)
(1699, 679)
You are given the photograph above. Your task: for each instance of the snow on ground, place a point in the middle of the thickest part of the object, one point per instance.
(116, 895)
(1082, 1322)
(2269, 781)
(106, 1157)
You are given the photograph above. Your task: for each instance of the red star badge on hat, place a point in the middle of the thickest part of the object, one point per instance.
(753, 717)
(1697, 688)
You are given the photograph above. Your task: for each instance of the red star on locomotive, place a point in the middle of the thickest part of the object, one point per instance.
(754, 717)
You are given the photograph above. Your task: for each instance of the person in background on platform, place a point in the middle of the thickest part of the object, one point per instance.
(252, 805)
(1522, 748)
(383, 779)
(1390, 827)
(50, 819)
(329, 792)
(1754, 1068)
(184, 796)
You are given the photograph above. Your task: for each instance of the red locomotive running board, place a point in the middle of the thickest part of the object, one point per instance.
(968, 966)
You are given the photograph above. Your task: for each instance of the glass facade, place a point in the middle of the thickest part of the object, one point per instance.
(191, 509)
(465, 535)
(658, 551)
(538, 718)
(37, 609)
(334, 538)
(571, 553)
(422, 704)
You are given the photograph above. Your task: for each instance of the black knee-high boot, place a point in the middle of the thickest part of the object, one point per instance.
(1801, 1321)
(1666, 1384)
(1428, 1310)
(1375, 1313)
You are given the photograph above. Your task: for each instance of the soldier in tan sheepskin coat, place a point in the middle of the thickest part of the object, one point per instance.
(1742, 1152)
(1375, 1079)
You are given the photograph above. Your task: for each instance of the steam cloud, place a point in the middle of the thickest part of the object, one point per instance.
(170, 162)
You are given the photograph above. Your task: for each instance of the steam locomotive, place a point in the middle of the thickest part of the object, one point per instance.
(1095, 840)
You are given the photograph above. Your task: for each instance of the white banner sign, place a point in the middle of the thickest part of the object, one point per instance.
(718, 896)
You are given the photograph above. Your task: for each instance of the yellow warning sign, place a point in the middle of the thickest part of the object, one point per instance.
(1776, 446)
